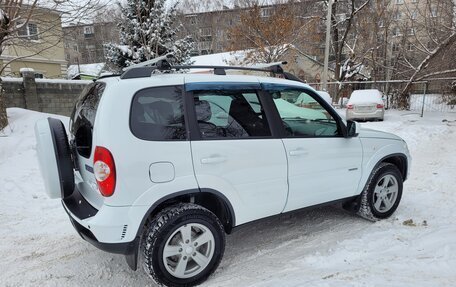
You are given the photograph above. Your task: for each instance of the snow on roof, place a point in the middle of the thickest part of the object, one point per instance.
(22, 70)
(225, 59)
(365, 96)
(86, 69)
(201, 6)
(219, 59)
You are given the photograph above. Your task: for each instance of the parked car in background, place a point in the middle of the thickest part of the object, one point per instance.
(305, 101)
(365, 105)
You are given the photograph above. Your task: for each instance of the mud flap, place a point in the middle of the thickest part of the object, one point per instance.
(132, 255)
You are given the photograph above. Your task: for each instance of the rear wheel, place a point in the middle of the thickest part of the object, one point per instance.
(381, 196)
(184, 244)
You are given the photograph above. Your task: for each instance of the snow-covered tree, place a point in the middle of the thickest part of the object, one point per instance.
(147, 31)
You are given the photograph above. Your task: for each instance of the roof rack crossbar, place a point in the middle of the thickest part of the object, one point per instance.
(145, 69)
(239, 68)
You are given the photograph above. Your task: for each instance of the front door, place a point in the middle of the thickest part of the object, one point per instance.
(323, 165)
(234, 151)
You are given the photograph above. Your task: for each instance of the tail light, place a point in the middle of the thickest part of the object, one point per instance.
(104, 169)
(350, 106)
(379, 106)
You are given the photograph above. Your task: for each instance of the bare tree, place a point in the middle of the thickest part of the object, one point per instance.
(270, 32)
(434, 40)
(344, 17)
(15, 15)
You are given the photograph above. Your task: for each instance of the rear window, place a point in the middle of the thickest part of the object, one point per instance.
(157, 114)
(83, 118)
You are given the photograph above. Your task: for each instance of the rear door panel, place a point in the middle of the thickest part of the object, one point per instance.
(251, 171)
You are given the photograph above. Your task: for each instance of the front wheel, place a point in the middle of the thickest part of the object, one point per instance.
(381, 196)
(184, 244)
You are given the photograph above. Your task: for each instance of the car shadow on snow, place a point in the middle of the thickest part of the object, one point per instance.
(297, 233)
(254, 241)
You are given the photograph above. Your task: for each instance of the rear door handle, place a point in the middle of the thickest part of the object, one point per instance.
(212, 160)
(298, 152)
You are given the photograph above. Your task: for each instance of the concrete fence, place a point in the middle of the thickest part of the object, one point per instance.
(42, 95)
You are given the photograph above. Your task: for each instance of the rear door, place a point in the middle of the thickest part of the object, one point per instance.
(81, 137)
(234, 150)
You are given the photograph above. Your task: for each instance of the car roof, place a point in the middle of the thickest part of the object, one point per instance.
(179, 79)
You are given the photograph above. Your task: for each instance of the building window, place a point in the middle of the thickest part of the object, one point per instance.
(411, 31)
(396, 47)
(410, 47)
(397, 32)
(204, 46)
(397, 15)
(414, 15)
(434, 13)
(75, 47)
(266, 12)
(205, 31)
(399, 2)
(381, 23)
(191, 19)
(88, 31)
(28, 31)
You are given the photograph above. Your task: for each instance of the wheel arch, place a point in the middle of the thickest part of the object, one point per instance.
(210, 199)
(397, 159)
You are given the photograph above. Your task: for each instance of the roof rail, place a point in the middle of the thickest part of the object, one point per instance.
(145, 69)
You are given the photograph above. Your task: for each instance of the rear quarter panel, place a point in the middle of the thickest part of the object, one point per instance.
(133, 156)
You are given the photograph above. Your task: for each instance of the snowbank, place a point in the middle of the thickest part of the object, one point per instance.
(320, 247)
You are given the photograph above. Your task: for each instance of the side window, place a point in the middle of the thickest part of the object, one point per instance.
(157, 114)
(83, 118)
(303, 116)
(230, 114)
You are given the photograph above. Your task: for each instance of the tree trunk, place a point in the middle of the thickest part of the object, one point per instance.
(3, 116)
(405, 93)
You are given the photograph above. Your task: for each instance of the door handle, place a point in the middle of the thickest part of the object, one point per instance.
(298, 152)
(212, 160)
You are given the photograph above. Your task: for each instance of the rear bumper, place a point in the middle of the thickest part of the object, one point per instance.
(351, 115)
(126, 248)
(106, 228)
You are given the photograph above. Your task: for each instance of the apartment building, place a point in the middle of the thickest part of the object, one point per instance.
(402, 34)
(38, 46)
(212, 30)
(84, 42)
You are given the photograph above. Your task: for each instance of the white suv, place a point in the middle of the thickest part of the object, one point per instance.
(162, 166)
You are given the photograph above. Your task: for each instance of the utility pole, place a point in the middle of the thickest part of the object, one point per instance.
(327, 43)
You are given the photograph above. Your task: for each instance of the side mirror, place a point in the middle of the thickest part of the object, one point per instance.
(352, 129)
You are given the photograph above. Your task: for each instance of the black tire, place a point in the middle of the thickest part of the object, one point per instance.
(163, 226)
(368, 197)
(63, 156)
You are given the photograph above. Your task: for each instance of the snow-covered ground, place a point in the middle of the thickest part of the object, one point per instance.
(320, 247)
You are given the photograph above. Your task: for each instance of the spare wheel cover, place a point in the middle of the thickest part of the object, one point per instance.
(54, 157)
